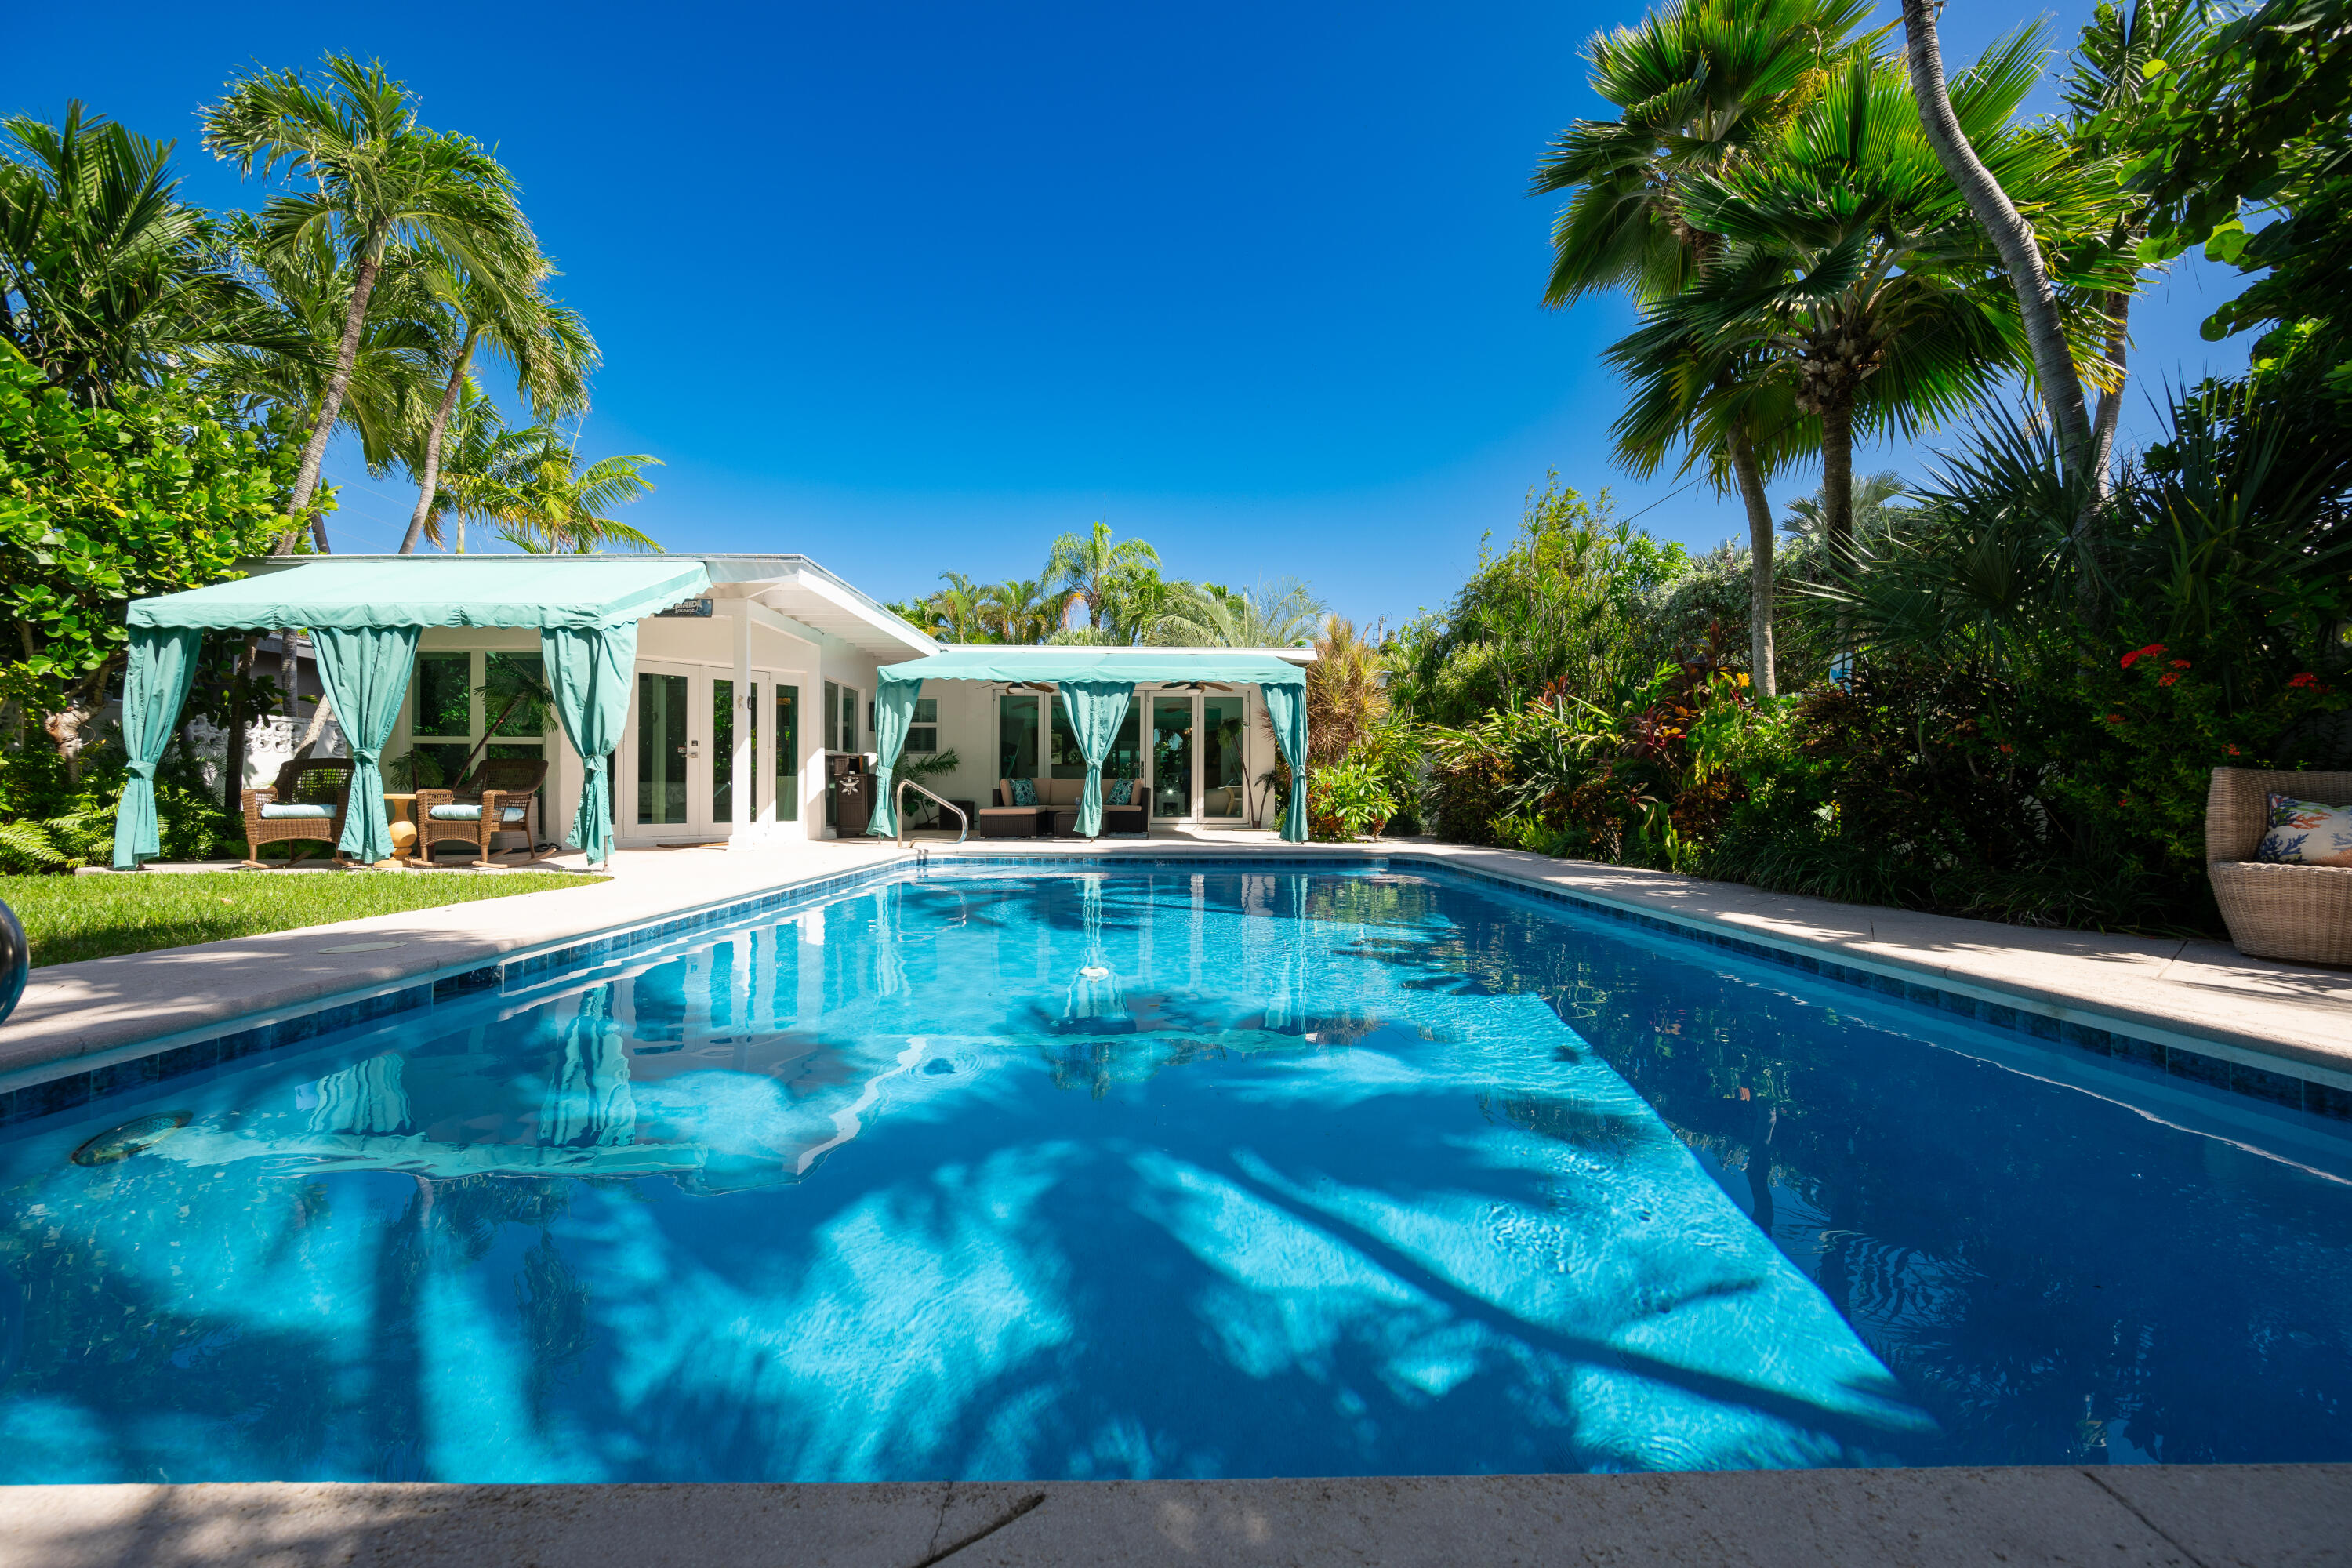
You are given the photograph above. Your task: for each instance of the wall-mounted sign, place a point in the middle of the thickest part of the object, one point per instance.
(696, 610)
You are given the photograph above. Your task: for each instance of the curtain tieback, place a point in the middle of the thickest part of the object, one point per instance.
(595, 764)
(365, 756)
(142, 771)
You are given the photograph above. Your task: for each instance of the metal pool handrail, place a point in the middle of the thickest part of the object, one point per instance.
(899, 800)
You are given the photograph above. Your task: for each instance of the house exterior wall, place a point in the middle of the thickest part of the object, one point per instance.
(740, 642)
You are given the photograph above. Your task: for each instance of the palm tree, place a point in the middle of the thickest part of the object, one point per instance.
(959, 612)
(1090, 565)
(1273, 615)
(1023, 610)
(545, 503)
(1872, 508)
(106, 277)
(283, 357)
(546, 344)
(2117, 56)
(377, 178)
(1701, 86)
(1856, 271)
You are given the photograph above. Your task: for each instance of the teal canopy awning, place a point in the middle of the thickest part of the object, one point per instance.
(1080, 664)
(541, 590)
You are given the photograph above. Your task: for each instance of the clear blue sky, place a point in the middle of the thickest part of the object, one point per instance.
(917, 287)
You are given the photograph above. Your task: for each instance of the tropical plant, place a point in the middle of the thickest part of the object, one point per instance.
(107, 279)
(1096, 569)
(1280, 614)
(2021, 237)
(1853, 265)
(1700, 87)
(375, 178)
(543, 501)
(1871, 509)
(545, 343)
(99, 506)
(1023, 610)
(278, 369)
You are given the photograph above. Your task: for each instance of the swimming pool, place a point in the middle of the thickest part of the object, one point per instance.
(1182, 1171)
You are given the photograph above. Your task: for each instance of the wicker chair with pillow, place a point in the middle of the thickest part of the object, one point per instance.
(2283, 876)
(496, 798)
(305, 804)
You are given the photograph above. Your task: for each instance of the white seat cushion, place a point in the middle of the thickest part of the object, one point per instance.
(474, 813)
(276, 813)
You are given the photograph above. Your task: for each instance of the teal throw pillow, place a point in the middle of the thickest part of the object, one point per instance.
(1025, 793)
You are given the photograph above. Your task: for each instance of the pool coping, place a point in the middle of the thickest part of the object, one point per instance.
(1810, 936)
(2130, 1516)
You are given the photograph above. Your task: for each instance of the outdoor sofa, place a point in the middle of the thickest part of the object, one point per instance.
(1056, 811)
(2301, 913)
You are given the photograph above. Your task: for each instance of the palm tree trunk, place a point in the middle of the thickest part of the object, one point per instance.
(2037, 302)
(2111, 402)
(1837, 480)
(429, 481)
(331, 408)
(1759, 547)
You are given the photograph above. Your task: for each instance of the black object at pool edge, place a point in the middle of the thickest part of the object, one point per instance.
(16, 960)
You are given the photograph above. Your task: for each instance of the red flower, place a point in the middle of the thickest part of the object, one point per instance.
(2115, 718)
(2007, 747)
(2307, 681)
(2233, 751)
(2167, 678)
(2180, 664)
(2151, 650)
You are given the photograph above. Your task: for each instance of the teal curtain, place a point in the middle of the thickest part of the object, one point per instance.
(1287, 707)
(163, 666)
(1095, 708)
(589, 669)
(894, 713)
(365, 670)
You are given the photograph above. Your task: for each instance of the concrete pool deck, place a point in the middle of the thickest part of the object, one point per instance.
(2199, 995)
(2228, 1516)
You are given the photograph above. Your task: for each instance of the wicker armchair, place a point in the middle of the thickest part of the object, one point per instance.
(496, 797)
(305, 804)
(2301, 913)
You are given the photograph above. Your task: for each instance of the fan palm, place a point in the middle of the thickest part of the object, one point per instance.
(1090, 565)
(1272, 614)
(377, 178)
(1854, 270)
(546, 344)
(1872, 508)
(1701, 87)
(106, 277)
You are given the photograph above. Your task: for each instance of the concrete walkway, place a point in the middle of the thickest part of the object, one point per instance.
(2201, 995)
(2282, 1516)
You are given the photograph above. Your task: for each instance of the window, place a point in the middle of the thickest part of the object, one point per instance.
(458, 699)
(1017, 737)
(831, 717)
(849, 719)
(923, 734)
(788, 754)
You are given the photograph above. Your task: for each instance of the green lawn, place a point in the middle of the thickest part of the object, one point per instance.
(69, 918)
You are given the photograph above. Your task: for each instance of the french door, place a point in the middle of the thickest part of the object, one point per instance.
(676, 761)
(1198, 772)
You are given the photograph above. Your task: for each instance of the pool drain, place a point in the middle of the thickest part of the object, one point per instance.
(121, 1142)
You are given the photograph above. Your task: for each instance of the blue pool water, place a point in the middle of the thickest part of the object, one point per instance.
(1223, 1173)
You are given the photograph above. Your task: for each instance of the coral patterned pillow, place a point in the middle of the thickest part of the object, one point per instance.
(2305, 833)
